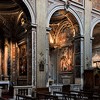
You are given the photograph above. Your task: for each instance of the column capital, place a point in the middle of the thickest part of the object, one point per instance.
(48, 29)
(91, 38)
(33, 25)
(78, 37)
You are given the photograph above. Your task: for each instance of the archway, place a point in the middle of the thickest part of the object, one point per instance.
(96, 46)
(64, 47)
(16, 41)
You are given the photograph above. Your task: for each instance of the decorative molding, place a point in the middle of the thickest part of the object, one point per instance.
(50, 2)
(93, 17)
(80, 14)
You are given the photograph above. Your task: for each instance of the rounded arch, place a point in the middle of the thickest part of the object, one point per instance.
(59, 7)
(31, 11)
(93, 24)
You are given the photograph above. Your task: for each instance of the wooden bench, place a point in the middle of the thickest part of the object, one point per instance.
(42, 96)
(1, 98)
(85, 95)
(77, 95)
(64, 95)
(42, 90)
(23, 97)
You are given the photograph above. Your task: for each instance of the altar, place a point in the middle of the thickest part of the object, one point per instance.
(59, 88)
(67, 78)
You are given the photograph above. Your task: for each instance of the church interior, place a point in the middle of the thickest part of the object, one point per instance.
(66, 66)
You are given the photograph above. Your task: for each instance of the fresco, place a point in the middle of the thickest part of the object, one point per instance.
(96, 4)
(78, 1)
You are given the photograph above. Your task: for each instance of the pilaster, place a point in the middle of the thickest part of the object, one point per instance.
(87, 23)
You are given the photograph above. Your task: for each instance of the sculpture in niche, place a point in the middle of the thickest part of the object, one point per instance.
(41, 65)
(22, 61)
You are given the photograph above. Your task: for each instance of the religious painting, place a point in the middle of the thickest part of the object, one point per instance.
(41, 66)
(22, 60)
(66, 60)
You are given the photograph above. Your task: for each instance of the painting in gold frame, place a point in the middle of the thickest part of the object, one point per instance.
(22, 60)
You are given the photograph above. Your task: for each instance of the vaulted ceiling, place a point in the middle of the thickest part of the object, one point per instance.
(96, 35)
(11, 13)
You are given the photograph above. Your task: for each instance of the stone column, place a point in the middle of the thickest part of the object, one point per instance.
(87, 24)
(47, 54)
(91, 39)
(34, 61)
(82, 55)
(5, 58)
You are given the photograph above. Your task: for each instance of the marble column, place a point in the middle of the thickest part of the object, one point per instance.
(0, 61)
(5, 58)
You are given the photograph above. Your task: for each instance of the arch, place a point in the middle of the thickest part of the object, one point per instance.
(31, 11)
(59, 7)
(52, 9)
(93, 23)
(33, 22)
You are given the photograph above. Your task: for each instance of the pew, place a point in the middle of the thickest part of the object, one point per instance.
(42, 90)
(42, 96)
(23, 97)
(64, 95)
(1, 98)
(86, 95)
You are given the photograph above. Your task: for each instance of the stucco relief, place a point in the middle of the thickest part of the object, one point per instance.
(96, 4)
(93, 17)
(80, 14)
(49, 3)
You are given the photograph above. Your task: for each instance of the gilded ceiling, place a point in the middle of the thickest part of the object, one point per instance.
(11, 14)
(64, 28)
